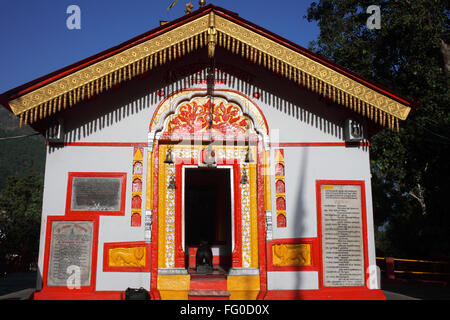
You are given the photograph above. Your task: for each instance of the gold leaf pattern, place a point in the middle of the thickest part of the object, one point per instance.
(252, 45)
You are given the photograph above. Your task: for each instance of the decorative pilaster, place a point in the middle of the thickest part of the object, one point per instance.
(136, 192)
(280, 188)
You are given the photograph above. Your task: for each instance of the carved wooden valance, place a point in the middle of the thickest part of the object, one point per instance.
(211, 27)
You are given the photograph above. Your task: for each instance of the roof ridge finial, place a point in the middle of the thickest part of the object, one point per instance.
(189, 7)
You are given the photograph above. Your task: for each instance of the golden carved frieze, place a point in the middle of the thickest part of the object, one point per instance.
(127, 257)
(210, 30)
(275, 51)
(285, 255)
(125, 64)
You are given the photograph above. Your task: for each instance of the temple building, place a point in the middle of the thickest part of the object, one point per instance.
(208, 129)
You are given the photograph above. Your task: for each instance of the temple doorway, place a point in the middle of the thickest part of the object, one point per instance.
(208, 214)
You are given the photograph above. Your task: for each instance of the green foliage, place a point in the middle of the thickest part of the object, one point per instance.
(19, 157)
(22, 163)
(20, 216)
(410, 169)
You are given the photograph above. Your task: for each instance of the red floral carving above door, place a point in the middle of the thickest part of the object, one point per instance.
(193, 117)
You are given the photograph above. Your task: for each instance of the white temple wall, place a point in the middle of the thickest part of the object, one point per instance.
(306, 120)
(111, 228)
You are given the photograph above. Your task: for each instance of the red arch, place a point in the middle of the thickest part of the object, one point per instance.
(202, 89)
(280, 187)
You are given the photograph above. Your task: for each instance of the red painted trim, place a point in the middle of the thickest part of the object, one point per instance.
(154, 293)
(95, 295)
(179, 253)
(261, 224)
(236, 255)
(318, 144)
(65, 292)
(204, 90)
(216, 137)
(120, 212)
(359, 293)
(363, 224)
(103, 144)
(355, 294)
(111, 245)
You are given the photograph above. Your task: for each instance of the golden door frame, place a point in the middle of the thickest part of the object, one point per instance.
(180, 123)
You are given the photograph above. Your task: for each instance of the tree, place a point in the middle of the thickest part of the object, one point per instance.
(19, 157)
(410, 169)
(20, 217)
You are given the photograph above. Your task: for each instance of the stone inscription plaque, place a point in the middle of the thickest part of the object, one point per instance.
(342, 242)
(70, 245)
(96, 193)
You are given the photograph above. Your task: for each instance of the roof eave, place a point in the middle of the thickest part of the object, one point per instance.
(55, 75)
(180, 22)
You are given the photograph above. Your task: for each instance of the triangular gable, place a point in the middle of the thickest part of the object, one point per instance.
(209, 26)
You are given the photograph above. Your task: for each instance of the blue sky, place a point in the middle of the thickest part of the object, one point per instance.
(36, 41)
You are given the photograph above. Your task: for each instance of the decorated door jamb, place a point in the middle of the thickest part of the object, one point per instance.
(257, 143)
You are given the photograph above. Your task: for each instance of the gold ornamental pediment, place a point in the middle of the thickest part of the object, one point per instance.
(210, 27)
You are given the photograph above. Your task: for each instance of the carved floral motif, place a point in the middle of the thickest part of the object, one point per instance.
(193, 117)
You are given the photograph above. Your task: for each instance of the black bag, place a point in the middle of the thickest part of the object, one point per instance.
(136, 294)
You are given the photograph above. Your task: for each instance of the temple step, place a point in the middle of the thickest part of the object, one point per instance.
(208, 287)
(208, 294)
(209, 276)
(209, 284)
